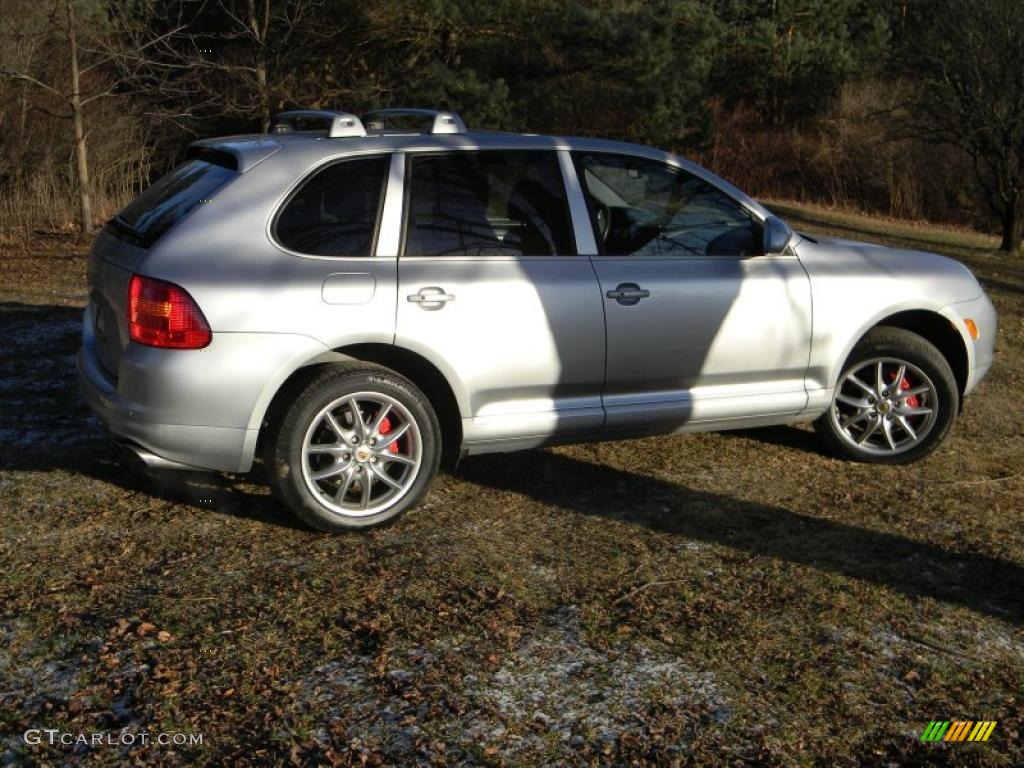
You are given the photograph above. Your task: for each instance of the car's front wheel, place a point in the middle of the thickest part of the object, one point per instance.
(895, 401)
(357, 447)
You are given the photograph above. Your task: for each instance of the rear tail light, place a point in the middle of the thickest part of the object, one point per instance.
(161, 314)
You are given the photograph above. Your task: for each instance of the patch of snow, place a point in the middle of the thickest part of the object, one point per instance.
(554, 687)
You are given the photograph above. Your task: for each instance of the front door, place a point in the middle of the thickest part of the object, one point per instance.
(491, 290)
(700, 326)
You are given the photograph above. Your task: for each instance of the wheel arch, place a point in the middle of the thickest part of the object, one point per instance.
(940, 331)
(934, 326)
(420, 371)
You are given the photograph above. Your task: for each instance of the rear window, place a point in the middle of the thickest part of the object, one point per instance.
(160, 207)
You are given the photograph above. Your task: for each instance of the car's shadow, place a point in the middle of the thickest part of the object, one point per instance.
(793, 438)
(45, 425)
(911, 566)
(45, 428)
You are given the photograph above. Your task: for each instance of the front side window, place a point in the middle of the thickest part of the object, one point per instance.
(487, 204)
(645, 208)
(335, 211)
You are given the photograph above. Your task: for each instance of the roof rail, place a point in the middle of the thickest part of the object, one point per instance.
(334, 124)
(443, 122)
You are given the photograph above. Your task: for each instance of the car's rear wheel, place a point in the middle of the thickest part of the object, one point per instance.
(357, 447)
(895, 401)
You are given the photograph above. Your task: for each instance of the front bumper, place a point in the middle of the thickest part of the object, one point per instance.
(981, 351)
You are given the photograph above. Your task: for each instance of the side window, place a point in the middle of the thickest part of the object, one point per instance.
(487, 204)
(646, 208)
(335, 211)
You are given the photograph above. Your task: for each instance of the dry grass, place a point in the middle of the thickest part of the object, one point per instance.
(719, 599)
(883, 229)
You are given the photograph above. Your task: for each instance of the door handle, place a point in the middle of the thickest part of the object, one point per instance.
(628, 294)
(430, 295)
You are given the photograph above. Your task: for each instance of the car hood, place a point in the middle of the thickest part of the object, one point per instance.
(941, 278)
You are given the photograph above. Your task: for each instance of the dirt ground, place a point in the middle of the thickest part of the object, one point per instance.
(721, 599)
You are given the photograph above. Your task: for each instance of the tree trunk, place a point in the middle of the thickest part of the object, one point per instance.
(81, 158)
(264, 92)
(1013, 225)
(258, 30)
(23, 115)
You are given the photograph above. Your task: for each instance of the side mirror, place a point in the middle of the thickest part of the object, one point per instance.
(777, 235)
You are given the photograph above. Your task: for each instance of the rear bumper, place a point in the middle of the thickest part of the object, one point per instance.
(187, 445)
(198, 408)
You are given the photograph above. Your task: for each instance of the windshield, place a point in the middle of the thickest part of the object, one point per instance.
(160, 207)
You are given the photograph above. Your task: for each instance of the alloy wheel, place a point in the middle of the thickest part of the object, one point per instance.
(361, 454)
(884, 406)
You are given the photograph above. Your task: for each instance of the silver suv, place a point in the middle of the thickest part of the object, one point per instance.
(356, 299)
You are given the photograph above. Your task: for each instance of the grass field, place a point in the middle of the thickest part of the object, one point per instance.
(720, 599)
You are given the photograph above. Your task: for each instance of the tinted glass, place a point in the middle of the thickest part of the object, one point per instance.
(161, 206)
(488, 204)
(335, 212)
(645, 208)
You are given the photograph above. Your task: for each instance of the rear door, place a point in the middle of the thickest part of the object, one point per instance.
(492, 290)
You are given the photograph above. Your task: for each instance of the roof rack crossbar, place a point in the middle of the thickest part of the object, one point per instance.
(337, 124)
(443, 122)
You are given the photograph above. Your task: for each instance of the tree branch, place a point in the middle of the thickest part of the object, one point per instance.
(29, 79)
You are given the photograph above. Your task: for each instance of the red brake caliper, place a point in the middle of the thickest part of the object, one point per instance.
(385, 427)
(912, 401)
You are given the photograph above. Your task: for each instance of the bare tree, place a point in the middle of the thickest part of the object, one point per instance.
(966, 61)
(30, 71)
(224, 56)
(82, 72)
(75, 101)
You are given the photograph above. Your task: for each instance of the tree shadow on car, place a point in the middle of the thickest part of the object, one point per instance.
(913, 567)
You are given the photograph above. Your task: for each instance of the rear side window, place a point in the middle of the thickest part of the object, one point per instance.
(487, 204)
(336, 211)
(160, 207)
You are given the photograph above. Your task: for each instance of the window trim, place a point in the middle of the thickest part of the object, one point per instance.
(308, 176)
(755, 217)
(410, 155)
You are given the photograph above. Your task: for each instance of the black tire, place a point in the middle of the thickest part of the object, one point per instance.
(283, 452)
(903, 345)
